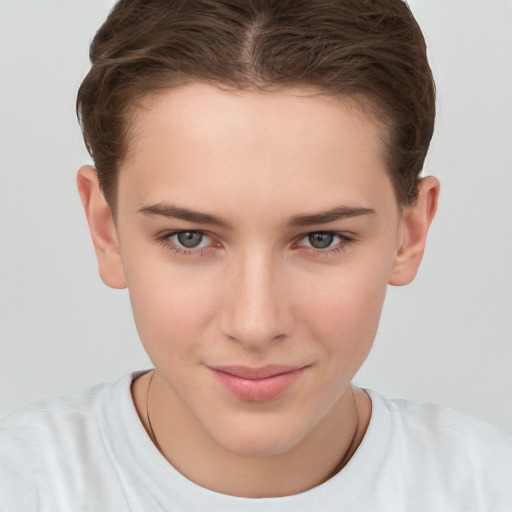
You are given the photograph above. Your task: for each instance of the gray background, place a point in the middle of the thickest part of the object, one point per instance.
(446, 338)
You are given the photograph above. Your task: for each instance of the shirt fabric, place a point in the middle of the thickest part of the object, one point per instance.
(90, 452)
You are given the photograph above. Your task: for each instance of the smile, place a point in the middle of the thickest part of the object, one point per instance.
(257, 384)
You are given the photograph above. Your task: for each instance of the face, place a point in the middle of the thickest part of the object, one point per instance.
(257, 234)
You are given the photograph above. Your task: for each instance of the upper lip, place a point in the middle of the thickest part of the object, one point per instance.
(252, 373)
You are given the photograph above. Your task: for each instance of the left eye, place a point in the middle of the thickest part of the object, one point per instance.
(321, 240)
(190, 239)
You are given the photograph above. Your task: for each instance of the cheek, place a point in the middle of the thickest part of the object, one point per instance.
(170, 309)
(343, 312)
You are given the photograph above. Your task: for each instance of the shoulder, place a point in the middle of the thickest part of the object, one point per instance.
(33, 433)
(438, 424)
(450, 452)
(48, 443)
(46, 418)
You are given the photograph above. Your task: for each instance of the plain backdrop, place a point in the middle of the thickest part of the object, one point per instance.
(446, 338)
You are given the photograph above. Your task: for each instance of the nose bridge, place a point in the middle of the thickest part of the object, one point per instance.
(256, 313)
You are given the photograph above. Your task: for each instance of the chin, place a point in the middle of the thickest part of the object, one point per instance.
(257, 440)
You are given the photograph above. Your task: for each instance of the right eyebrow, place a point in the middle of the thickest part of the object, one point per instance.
(177, 212)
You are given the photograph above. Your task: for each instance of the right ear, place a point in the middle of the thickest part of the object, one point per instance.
(102, 226)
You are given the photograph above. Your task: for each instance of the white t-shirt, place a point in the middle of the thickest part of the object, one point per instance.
(90, 452)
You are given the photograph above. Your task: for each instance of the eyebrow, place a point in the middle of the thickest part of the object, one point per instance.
(339, 213)
(177, 212)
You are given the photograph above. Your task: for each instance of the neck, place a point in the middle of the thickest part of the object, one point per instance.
(182, 440)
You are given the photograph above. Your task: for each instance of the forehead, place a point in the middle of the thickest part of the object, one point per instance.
(253, 147)
(300, 111)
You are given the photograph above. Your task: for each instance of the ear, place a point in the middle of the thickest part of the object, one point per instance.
(416, 220)
(102, 226)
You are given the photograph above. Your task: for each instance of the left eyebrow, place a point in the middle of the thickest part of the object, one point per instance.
(341, 212)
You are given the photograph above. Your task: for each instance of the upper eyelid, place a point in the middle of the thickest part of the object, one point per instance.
(171, 232)
(341, 234)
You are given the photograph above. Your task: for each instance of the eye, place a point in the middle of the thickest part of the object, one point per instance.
(322, 240)
(186, 242)
(189, 239)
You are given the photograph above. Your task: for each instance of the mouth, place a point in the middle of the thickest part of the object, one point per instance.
(257, 384)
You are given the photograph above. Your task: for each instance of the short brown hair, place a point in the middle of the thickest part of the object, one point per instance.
(372, 49)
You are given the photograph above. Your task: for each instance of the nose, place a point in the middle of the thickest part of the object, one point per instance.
(257, 307)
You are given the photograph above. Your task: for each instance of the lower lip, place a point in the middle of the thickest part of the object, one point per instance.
(258, 390)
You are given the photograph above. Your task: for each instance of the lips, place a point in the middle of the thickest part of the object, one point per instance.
(257, 384)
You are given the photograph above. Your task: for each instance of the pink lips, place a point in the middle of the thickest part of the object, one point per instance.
(257, 384)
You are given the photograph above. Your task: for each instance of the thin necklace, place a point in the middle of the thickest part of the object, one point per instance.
(151, 431)
(336, 470)
(348, 454)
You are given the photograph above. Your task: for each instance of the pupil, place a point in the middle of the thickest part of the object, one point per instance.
(321, 240)
(190, 239)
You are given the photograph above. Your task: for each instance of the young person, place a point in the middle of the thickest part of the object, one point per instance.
(256, 187)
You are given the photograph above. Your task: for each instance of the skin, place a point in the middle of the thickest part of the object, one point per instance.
(256, 291)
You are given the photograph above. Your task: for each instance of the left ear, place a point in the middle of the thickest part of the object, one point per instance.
(416, 220)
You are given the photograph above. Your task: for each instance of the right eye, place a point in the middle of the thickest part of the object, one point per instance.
(187, 242)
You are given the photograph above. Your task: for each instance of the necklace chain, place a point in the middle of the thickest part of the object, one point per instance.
(151, 431)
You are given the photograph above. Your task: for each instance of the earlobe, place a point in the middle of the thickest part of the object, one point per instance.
(416, 220)
(102, 227)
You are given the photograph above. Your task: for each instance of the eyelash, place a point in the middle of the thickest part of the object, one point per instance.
(165, 241)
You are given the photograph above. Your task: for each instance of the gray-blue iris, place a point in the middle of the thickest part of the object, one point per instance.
(190, 239)
(320, 240)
